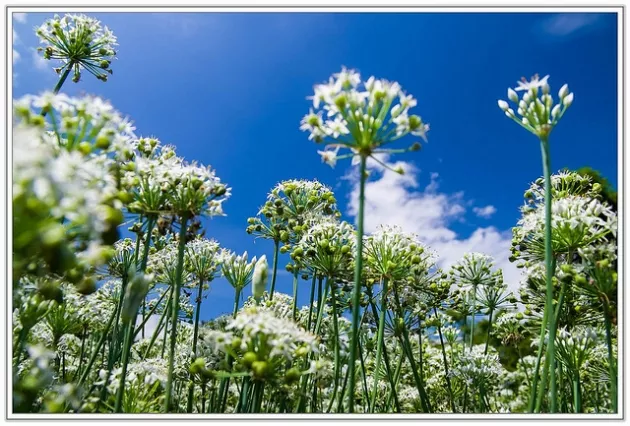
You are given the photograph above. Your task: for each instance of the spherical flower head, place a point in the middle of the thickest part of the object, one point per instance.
(576, 222)
(79, 43)
(291, 206)
(473, 270)
(391, 253)
(87, 125)
(202, 258)
(361, 115)
(536, 111)
(328, 248)
(563, 184)
(260, 276)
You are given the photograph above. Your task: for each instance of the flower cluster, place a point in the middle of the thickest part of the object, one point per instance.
(328, 249)
(78, 42)
(360, 115)
(536, 108)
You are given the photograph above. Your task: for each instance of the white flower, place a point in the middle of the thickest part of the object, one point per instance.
(329, 156)
(534, 83)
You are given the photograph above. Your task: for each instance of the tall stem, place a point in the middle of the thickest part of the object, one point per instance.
(276, 246)
(63, 78)
(356, 296)
(485, 351)
(129, 334)
(158, 328)
(295, 293)
(379, 343)
(472, 315)
(406, 344)
(612, 369)
(310, 305)
(448, 378)
(551, 348)
(175, 311)
(541, 345)
(191, 386)
(577, 393)
(333, 302)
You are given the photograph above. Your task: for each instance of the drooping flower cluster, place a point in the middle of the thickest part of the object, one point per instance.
(79, 42)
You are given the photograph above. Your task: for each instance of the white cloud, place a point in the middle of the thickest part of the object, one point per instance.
(394, 199)
(16, 56)
(16, 37)
(569, 23)
(149, 326)
(38, 61)
(19, 17)
(484, 212)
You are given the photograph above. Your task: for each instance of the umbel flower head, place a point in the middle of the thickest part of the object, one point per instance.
(291, 206)
(88, 125)
(78, 42)
(362, 116)
(536, 110)
(328, 249)
(237, 270)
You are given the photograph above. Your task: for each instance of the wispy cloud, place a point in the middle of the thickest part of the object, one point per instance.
(16, 56)
(484, 212)
(569, 24)
(38, 60)
(19, 17)
(394, 199)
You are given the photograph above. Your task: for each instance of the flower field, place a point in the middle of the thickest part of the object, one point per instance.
(108, 233)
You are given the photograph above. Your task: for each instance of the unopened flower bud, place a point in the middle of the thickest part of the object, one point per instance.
(568, 100)
(564, 91)
(555, 111)
(259, 278)
(512, 95)
(503, 105)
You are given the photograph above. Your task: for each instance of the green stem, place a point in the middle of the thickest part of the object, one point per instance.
(364, 375)
(174, 311)
(472, 315)
(295, 293)
(612, 369)
(191, 386)
(533, 396)
(379, 343)
(356, 296)
(125, 362)
(551, 348)
(448, 378)
(577, 393)
(485, 351)
(225, 382)
(407, 349)
(63, 78)
(310, 305)
(276, 246)
(333, 302)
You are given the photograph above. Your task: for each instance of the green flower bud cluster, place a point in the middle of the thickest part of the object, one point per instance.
(291, 208)
(328, 249)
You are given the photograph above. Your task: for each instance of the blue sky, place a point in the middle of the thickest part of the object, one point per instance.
(229, 90)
